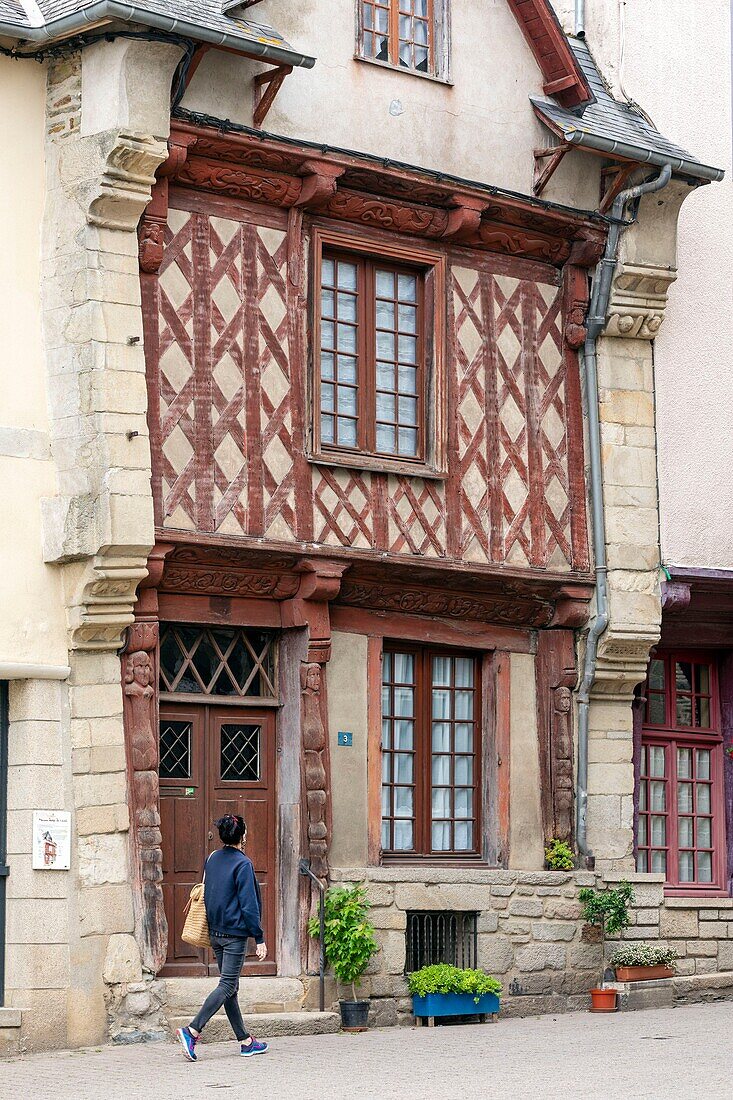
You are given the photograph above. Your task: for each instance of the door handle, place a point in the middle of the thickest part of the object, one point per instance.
(211, 835)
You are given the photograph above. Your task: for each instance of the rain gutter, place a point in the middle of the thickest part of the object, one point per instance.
(640, 155)
(102, 10)
(596, 321)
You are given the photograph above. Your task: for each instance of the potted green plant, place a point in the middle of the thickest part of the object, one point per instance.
(607, 910)
(643, 962)
(349, 944)
(443, 990)
(559, 856)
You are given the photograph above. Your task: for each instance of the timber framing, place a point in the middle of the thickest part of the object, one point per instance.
(256, 167)
(563, 77)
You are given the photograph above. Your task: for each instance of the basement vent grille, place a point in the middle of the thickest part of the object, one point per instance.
(441, 936)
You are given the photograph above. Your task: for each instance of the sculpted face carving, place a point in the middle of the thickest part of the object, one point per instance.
(563, 700)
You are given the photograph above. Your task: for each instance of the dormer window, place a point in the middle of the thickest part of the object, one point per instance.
(405, 34)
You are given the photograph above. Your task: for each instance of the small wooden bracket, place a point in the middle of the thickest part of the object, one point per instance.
(553, 157)
(267, 85)
(613, 180)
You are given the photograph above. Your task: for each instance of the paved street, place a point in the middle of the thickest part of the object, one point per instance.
(683, 1053)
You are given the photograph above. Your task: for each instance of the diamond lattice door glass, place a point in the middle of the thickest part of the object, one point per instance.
(680, 824)
(430, 754)
(220, 661)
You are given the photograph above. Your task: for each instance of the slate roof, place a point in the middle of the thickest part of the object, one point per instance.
(201, 20)
(12, 13)
(607, 126)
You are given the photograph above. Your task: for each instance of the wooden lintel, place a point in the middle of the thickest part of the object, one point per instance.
(554, 157)
(271, 81)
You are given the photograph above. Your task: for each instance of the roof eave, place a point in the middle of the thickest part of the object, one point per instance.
(583, 140)
(78, 22)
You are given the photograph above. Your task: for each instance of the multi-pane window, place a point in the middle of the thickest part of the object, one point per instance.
(371, 368)
(680, 819)
(430, 753)
(400, 32)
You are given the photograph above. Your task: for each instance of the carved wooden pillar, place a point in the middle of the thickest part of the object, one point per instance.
(139, 678)
(320, 583)
(556, 676)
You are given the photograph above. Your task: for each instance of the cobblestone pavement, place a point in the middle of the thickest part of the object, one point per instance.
(683, 1053)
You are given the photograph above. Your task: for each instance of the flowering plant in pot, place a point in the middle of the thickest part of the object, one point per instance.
(349, 944)
(443, 990)
(607, 910)
(643, 962)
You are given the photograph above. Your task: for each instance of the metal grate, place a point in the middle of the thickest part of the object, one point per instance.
(240, 753)
(220, 661)
(175, 750)
(441, 936)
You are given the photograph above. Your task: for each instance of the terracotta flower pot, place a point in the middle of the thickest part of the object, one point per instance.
(642, 973)
(604, 1000)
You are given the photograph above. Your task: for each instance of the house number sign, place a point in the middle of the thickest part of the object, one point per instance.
(51, 840)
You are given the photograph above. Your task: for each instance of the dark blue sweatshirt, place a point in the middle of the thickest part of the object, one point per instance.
(232, 895)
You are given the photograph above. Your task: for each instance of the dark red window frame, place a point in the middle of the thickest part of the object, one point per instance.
(366, 383)
(423, 755)
(681, 773)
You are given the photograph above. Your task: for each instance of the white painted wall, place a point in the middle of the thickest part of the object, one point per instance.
(678, 67)
(481, 126)
(32, 625)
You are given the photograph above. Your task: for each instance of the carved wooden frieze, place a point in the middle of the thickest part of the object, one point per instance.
(421, 601)
(396, 198)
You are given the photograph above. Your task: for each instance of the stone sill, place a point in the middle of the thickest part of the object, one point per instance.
(641, 877)
(711, 902)
(482, 876)
(10, 1017)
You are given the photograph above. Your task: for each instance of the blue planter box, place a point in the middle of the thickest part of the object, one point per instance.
(454, 1004)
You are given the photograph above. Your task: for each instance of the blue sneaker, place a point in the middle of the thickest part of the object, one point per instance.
(255, 1047)
(188, 1042)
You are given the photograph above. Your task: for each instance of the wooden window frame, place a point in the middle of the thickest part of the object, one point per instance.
(671, 736)
(439, 33)
(423, 755)
(367, 252)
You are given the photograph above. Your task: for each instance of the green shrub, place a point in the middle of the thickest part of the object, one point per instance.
(643, 954)
(559, 856)
(443, 978)
(608, 910)
(349, 936)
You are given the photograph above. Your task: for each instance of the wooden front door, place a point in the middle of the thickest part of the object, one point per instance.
(214, 760)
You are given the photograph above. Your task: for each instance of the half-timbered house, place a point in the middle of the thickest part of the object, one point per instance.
(317, 508)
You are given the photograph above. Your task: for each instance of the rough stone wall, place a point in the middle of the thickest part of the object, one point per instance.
(700, 929)
(531, 935)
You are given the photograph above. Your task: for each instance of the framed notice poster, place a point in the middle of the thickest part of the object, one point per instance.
(51, 840)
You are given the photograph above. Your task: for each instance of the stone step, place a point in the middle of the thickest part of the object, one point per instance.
(184, 996)
(266, 1025)
(679, 990)
(10, 1022)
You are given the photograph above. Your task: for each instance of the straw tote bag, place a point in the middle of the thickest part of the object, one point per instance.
(196, 926)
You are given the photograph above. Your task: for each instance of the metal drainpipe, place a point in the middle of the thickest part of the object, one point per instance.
(589, 364)
(580, 18)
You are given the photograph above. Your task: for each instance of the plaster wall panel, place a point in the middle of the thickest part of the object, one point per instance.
(480, 125)
(32, 630)
(526, 851)
(347, 711)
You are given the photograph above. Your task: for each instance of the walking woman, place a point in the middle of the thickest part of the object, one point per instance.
(234, 912)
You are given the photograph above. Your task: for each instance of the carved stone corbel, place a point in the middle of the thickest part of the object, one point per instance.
(638, 300)
(140, 709)
(124, 189)
(103, 609)
(623, 654)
